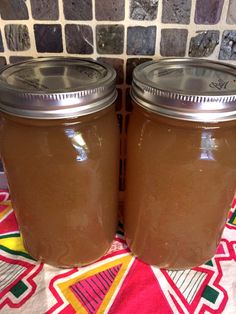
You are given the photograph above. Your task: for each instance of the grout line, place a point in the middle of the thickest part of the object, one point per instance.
(127, 12)
(62, 22)
(124, 87)
(41, 54)
(29, 53)
(93, 26)
(158, 31)
(128, 22)
(31, 33)
(224, 12)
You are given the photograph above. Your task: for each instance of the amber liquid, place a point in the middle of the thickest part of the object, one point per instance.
(63, 179)
(180, 181)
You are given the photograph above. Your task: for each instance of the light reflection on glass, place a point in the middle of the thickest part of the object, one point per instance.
(209, 105)
(208, 146)
(78, 143)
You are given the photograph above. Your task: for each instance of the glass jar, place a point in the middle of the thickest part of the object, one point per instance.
(60, 149)
(181, 163)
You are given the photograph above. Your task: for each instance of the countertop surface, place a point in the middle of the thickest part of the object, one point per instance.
(118, 283)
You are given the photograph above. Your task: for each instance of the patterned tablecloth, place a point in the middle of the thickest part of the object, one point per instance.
(118, 283)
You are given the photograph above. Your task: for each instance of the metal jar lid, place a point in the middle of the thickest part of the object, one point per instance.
(54, 88)
(186, 89)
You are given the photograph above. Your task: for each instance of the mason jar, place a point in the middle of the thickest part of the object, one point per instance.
(60, 149)
(181, 160)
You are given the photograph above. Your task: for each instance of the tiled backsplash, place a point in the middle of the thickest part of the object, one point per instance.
(121, 33)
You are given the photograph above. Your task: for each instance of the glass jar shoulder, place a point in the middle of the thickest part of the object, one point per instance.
(70, 139)
(154, 134)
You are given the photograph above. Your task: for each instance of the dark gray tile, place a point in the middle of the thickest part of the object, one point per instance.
(120, 121)
(78, 10)
(231, 15)
(141, 40)
(15, 59)
(131, 64)
(228, 46)
(204, 43)
(176, 11)
(13, 10)
(109, 10)
(17, 37)
(127, 117)
(48, 37)
(3, 62)
(128, 101)
(110, 39)
(173, 42)
(118, 65)
(118, 102)
(79, 39)
(1, 43)
(45, 9)
(143, 9)
(208, 12)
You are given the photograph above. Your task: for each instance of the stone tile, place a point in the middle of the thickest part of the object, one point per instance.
(17, 37)
(143, 9)
(1, 43)
(15, 59)
(48, 37)
(3, 62)
(204, 43)
(120, 121)
(208, 12)
(231, 15)
(141, 40)
(110, 10)
(13, 10)
(131, 64)
(173, 42)
(128, 101)
(228, 46)
(78, 10)
(127, 117)
(176, 11)
(118, 65)
(45, 9)
(110, 39)
(118, 102)
(79, 39)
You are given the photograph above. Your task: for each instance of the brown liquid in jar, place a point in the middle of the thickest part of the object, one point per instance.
(180, 181)
(63, 179)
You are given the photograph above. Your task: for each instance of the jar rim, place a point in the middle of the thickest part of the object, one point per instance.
(56, 87)
(186, 88)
